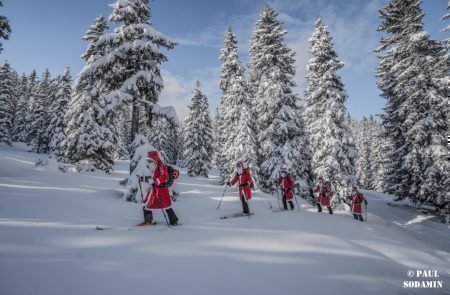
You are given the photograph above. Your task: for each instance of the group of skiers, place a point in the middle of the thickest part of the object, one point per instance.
(158, 197)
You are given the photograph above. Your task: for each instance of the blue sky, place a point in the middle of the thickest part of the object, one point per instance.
(47, 34)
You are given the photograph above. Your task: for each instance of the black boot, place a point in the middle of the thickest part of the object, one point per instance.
(319, 208)
(148, 216)
(291, 204)
(330, 210)
(245, 208)
(284, 203)
(173, 219)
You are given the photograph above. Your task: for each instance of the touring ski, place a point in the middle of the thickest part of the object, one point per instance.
(235, 215)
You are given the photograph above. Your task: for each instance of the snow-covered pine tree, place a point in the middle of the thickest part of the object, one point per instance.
(173, 148)
(198, 138)
(281, 129)
(218, 160)
(90, 137)
(92, 35)
(32, 84)
(363, 165)
(122, 117)
(163, 136)
(387, 72)
(5, 29)
(181, 132)
(414, 80)
(42, 96)
(331, 139)
(446, 17)
(377, 156)
(446, 56)
(54, 89)
(19, 130)
(58, 109)
(131, 64)
(7, 98)
(237, 122)
(139, 167)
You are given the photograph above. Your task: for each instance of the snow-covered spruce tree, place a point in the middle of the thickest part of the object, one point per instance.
(390, 54)
(132, 61)
(19, 130)
(32, 84)
(331, 140)
(363, 165)
(370, 162)
(163, 136)
(413, 77)
(92, 35)
(378, 157)
(122, 117)
(6, 103)
(219, 157)
(426, 121)
(42, 97)
(446, 56)
(278, 109)
(139, 167)
(58, 109)
(90, 137)
(181, 131)
(446, 17)
(5, 29)
(173, 148)
(198, 138)
(54, 89)
(237, 122)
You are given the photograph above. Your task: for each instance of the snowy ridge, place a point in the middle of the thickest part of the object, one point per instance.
(48, 220)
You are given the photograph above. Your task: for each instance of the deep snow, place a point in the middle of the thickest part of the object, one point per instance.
(49, 245)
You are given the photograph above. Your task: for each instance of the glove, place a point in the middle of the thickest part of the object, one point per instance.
(365, 202)
(252, 186)
(228, 183)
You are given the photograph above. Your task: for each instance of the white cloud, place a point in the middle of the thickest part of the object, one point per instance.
(177, 90)
(352, 26)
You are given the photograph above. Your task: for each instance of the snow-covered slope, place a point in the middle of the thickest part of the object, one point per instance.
(49, 245)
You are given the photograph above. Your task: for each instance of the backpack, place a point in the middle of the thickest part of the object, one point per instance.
(173, 174)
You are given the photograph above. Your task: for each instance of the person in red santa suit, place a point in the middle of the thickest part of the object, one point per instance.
(286, 182)
(324, 195)
(244, 179)
(158, 197)
(356, 198)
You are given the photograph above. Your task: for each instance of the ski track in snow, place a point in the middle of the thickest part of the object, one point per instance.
(49, 244)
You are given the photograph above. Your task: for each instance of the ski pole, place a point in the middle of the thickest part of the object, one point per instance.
(365, 210)
(278, 198)
(222, 196)
(140, 188)
(246, 201)
(298, 207)
(142, 196)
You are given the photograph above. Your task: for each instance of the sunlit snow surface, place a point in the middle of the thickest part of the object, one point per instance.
(49, 245)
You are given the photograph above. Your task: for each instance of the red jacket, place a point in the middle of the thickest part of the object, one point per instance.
(357, 199)
(323, 197)
(159, 197)
(245, 181)
(287, 186)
